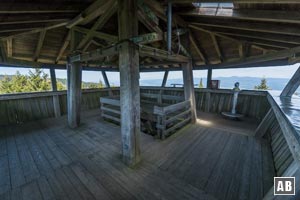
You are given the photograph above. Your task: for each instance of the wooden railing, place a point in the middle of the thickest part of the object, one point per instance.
(19, 108)
(110, 109)
(24, 107)
(173, 117)
(284, 142)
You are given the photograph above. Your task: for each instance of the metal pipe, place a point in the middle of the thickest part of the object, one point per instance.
(169, 34)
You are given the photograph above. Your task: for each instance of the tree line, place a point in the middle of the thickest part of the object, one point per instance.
(37, 80)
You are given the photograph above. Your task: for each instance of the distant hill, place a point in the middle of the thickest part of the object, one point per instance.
(226, 82)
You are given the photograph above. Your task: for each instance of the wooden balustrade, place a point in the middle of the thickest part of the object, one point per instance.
(19, 108)
(171, 118)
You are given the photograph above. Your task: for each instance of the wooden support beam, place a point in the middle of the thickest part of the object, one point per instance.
(246, 26)
(243, 14)
(99, 24)
(39, 45)
(34, 18)
(165, 79)
(161, 54)
(292, 85)
(107, 83)
(169, 28)
(3, 54)
(264, 125)
(147, 38)
(56, 104)
(257, 35)
(105, 79)
(40, 7)
(129, 79)
(74, 94)
(92, 12)
(9, 47)
(217, 46)
(53, 79)
(263, 42)
(188, 84)
(242, 1)
(64, 46)
(97, 34)
(238, 41)
(283, 54)
(97, 54)
(148, 22)
(34, 30)
(196, 45)
(209, 78)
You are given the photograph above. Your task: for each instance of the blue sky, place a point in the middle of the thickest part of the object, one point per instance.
(274, 72)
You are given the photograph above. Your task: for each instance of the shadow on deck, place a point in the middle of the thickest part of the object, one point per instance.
(47, 160)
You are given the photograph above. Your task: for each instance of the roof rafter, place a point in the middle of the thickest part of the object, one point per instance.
(217, 46)
(258, 27)
(198, 50)
(99, 23)
(39, 45)
(241, 1)
(9, 47)
(254, 15)
(64, 46)
(96, 9)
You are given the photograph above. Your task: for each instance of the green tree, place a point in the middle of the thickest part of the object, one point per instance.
(263, 85)
(60, 86)
(201, 84)
(37, 80)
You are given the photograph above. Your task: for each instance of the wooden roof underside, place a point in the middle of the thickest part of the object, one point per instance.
(254, 33)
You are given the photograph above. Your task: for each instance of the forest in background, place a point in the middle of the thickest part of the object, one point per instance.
(37, 80)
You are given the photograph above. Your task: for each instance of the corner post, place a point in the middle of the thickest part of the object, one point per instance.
(189, 92)
(165, 79)
(209, 77)
(107, 83)
(129, 79)
(74, 93)
(56, 104)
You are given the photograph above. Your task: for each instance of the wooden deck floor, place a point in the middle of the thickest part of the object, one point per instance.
(47, 160)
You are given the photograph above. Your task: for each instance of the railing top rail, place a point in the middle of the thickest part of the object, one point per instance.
(172, 108)
(288, 130)
(64, 92)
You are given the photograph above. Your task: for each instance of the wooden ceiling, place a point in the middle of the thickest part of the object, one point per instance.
(252, 33)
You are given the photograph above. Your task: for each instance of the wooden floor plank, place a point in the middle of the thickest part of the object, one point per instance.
(198, 162)
(90, 182)
(31, 191)
(15, 168)
(45, 188)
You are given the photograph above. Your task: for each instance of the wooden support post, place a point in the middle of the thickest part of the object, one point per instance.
(164, 82)
(189, 92)
(105, 79)
(53, 79)
(107, 83)
(56, 104)
(292, 85)
(74, 94)
(129, 79)
(207, 102)
(209, 77)
(169, 32)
